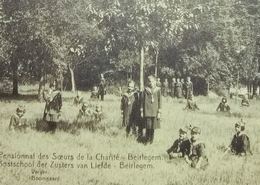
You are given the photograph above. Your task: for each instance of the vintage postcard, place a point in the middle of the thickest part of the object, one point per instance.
(129, 92)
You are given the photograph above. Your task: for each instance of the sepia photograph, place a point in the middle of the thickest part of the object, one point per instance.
(129, 92)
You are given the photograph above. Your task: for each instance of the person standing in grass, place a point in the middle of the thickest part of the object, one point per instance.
(173, 87)
(102, 88)
(17, 121)
(94, 93)
(197, 157)
(151, 108)
(188, 88)
(181, 146)
(240, 144)
(223, 106)
(129, 108)
(178, 88)
(165, 89)
(53, 106)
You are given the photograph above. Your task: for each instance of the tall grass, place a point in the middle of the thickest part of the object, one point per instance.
(217, 130)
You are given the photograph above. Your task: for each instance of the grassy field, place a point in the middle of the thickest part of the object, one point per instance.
(217, 130)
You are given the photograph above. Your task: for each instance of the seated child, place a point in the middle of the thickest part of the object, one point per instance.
(240, 144)
(197, 157)
(223, 106)
(245, 102)
(85, 112)
(181, 146)
(17, 121)
(78, 100)
(94, 93)
(191, 105)
(98, 114)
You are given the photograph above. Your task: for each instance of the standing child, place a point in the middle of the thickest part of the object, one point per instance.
(52, 110)
(102, 88)
(151, 108)
(17, 121)
(181, 146)
(240, 144)
(178, 87)
(94, 93)
(197, 157)
(129, 108)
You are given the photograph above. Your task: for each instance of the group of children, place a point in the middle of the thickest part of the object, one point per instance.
(95, 95)
(141, 111)
(193, 150)
(89, 114)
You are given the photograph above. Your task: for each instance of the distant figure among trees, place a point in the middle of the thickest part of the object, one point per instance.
(165, 88)
(102, 88)
(53, 106)
(188, 88)
(17, 121)
(223, 106)
(173, 88)
(178, 88)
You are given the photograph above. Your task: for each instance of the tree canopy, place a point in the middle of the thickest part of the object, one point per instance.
(79, 39)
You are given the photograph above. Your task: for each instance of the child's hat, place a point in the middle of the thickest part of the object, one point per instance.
(240, 123)
(85, 105)
(224, 99)
(131, 84)
(183, 130)
(195, 130)
(20, 108)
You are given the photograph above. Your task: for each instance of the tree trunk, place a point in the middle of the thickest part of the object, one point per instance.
(131, 73)
(207, 92)
(142, 68)
(15, 77)
(41, 88)
(72, 78)
(156, 63)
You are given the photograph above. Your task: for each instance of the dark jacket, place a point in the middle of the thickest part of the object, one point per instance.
(181, 146)
(102, 87)
(197, 151)
(223, 107)
(188, 89)
(53, 106)
(240, 144)
(151, 102)
(130, 107)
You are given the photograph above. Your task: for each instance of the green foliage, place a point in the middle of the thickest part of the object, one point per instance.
(215, 40)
